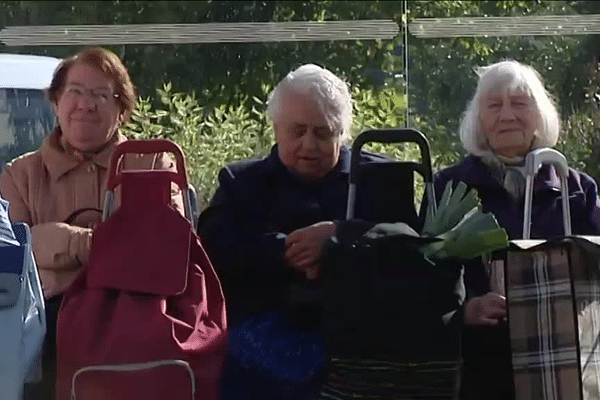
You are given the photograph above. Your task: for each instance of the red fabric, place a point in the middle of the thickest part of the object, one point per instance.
(148, 293)
(106, 385)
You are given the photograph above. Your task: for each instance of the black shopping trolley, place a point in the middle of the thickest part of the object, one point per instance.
(390, 320)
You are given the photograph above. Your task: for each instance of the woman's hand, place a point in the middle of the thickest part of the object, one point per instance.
(304, 245)
(488, 309)
(60, 251)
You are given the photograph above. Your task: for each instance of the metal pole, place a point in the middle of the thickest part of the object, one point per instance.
(405, 54)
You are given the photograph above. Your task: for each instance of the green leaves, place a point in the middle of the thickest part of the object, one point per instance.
(384, 108)
(209, 138)
(439, 72)
(466, 231)
(453, 206)
(214, 137)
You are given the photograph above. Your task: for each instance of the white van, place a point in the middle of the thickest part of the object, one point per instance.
(25, 114)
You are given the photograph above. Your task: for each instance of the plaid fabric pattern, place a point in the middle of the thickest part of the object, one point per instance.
(383, 380)
(553, 292)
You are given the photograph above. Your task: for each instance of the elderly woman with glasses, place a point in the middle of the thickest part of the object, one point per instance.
(59, 189)
(510, 115)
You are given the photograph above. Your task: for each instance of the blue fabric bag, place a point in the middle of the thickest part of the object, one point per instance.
(22, 313)
(271, 358)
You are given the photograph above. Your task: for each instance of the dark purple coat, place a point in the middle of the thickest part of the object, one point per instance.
(547, 217)
(486, 350)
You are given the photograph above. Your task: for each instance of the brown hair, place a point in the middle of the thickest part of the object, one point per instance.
(106, 61)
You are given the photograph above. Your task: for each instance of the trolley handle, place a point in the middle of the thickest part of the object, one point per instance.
(149, 146)
(533, 161)
(405, 135)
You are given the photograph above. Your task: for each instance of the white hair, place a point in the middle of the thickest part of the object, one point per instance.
(515, 77)
(329, 92)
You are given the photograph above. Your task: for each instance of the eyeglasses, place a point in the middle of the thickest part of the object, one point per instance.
(99, 96)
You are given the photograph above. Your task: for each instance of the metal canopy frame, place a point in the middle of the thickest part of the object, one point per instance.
(212, 32)
(534, 25)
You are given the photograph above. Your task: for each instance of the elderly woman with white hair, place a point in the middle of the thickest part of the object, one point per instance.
(510, 115)
(267, 223)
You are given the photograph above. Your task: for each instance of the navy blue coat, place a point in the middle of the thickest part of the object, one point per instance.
(257, 203)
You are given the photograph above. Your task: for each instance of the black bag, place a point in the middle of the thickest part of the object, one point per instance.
(390, 321)
(391, 325)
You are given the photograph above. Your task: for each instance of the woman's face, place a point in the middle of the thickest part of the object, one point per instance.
(87, 110)
(509, 121)
(306, 144)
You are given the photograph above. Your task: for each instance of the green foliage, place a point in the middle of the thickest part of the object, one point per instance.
(212, 138)
(442, 75)
(466, 231)
(219, 74)
(209, 139)
(376, 109)
(580, 140)
(227, 82)
(577, 142)
(442, 70)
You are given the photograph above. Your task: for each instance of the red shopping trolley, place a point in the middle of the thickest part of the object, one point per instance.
(145, 319)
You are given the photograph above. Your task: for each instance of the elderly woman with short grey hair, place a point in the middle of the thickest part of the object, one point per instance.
(510, 115)
(267, 223)
(270, 217)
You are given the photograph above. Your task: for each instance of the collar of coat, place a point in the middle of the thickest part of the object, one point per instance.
(59, 160)
(479, 175)
(341, 168)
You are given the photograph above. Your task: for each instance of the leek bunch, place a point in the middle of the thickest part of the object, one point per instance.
(464, 231)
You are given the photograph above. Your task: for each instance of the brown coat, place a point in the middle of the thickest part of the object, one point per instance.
(44, 188)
